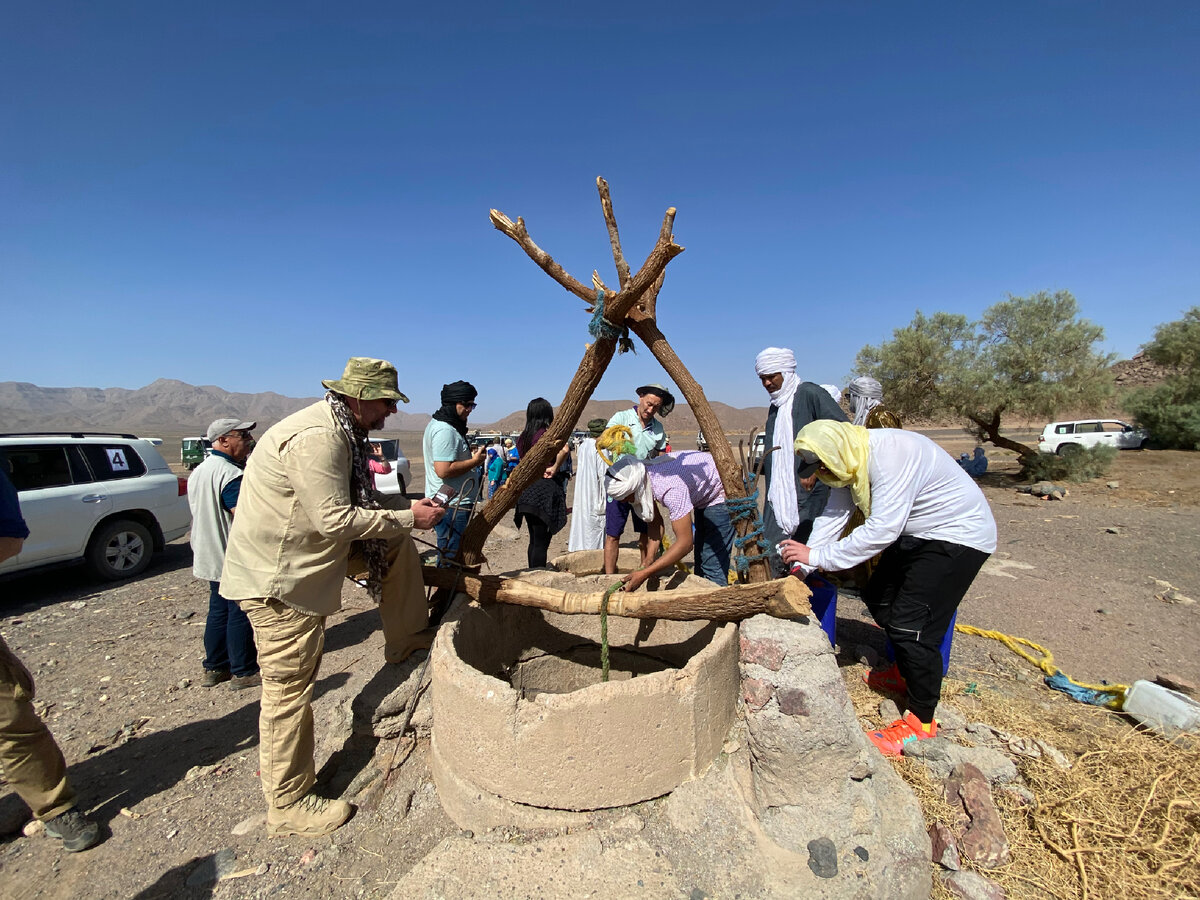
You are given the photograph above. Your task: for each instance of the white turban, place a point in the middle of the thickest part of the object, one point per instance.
(775, 359)
(627, 480)
(865, 394)
(833, 391)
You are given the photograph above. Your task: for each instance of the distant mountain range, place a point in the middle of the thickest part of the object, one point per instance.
(174, 406)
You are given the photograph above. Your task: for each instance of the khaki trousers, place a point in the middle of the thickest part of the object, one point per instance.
(403, 609)
(290, 644)
(30, 758)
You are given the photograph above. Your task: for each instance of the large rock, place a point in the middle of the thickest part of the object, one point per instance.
(815, 777)
(971, 886)
(379, 708)
(941, 755)
(983, 840)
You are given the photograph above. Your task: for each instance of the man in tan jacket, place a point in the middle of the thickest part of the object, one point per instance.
(306, 515)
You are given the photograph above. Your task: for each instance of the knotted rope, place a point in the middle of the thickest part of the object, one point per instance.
(600, 328)
(747, 508)
(604, 629)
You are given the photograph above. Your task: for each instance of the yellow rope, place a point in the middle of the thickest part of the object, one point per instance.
(617, 440)
(1046, 663)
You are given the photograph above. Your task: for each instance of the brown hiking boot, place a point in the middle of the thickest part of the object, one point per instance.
(241, 682)
(213, 677)
(310, 816)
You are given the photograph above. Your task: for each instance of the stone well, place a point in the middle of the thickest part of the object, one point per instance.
(525, 733)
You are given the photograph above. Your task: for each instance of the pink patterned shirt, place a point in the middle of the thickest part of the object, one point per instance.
(685, 481)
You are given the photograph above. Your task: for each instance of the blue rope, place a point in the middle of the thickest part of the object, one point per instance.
(747, 508)
(601, 328)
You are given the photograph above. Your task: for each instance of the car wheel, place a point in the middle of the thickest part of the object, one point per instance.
(400, 484)
(120, 549)
(1068, 449)
(1144, 445)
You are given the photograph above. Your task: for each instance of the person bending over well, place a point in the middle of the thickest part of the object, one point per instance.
(688, 485)
(934, 529)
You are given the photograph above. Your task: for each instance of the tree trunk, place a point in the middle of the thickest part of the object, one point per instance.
(785, 598)
(989, 431)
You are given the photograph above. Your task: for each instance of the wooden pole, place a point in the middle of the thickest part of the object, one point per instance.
(785, 598)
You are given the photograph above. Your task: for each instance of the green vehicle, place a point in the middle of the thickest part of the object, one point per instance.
(193, 450)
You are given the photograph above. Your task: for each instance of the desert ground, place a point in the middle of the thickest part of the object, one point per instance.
(170, 768)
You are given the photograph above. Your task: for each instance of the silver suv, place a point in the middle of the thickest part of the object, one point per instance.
(108, 500)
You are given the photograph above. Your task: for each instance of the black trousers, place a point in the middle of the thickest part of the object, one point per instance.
(539, 542)
(913, 595)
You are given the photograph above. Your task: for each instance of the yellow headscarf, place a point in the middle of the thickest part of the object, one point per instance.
(842, 449)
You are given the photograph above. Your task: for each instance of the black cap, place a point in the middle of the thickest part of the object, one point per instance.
(809, 463)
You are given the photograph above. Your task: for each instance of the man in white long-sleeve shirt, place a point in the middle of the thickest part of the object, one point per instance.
(931, 523)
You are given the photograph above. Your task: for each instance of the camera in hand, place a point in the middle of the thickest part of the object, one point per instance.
(443, 496)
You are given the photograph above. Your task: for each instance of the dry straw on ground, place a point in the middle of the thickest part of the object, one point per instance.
(1122, 822)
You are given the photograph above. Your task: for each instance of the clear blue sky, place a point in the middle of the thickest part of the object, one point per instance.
(245, 194)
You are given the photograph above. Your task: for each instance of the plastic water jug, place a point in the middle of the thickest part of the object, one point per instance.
(1161, 709)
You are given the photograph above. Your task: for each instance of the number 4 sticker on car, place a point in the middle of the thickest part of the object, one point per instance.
(116, 459)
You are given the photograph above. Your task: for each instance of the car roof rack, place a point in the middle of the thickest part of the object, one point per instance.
(73, 434)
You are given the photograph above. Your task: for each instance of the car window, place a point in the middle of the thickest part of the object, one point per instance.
(1113, 426)
(1087, 428)
(37, 467)
(1066, 428)
(110, 462)
(79, 469)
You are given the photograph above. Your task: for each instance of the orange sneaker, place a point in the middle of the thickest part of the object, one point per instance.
(891, 740)
(888, 680)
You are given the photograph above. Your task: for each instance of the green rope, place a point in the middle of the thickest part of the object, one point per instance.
(604, 629)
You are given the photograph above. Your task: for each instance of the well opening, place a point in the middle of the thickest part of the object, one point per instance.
(521, 717)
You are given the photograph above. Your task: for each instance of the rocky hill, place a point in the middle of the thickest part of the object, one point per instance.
(171, 406)
(1139, 371)
(166, 405)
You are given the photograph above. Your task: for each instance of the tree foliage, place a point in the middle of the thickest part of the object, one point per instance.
(1170, 412)
(1028, 357)
(914, 365)
(1084, 464)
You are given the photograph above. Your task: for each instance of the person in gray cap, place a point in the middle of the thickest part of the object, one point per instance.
(306, 518)
(649, 438)
(213, 488)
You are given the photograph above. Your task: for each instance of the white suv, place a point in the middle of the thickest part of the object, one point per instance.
(399, 479)
(109, 500)
(1060, 437)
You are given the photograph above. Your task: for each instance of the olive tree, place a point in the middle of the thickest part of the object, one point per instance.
(1170, 411)
(1027, 357)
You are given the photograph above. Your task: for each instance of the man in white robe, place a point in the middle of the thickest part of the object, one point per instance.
(587, 510)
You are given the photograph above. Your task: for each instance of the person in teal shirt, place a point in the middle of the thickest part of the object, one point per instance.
(649, 439)
(449, 460)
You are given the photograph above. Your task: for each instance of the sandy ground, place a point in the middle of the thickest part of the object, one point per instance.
(118, 671)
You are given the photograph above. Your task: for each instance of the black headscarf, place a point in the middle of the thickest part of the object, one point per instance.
(456, 392)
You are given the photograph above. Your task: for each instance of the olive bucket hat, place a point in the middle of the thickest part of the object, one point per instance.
(367, 379)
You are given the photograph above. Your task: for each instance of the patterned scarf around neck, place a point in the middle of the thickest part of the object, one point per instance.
(374, 550)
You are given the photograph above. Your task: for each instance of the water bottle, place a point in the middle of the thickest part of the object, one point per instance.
(1161, 709)
(796, 569)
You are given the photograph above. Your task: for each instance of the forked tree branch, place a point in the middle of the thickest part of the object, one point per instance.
(516, 231)
(587, 377)
(614, 236)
